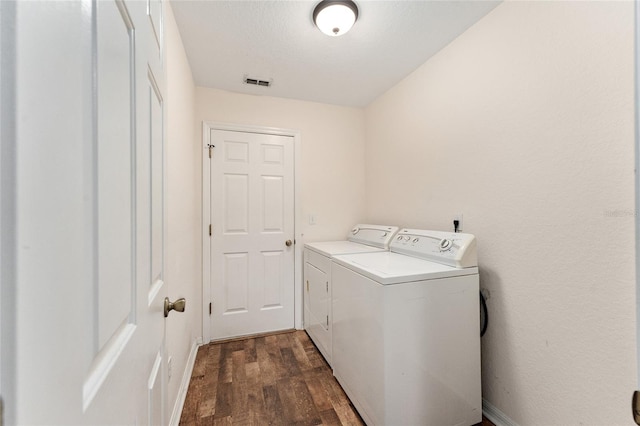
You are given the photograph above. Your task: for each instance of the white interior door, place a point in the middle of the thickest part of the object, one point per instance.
(90, 119)
(252, 218)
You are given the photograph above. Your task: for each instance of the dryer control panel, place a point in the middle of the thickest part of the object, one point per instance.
(373, 235)
(449, 248)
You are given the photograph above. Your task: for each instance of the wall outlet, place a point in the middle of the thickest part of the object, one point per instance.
(169, 367)
(312, 219)
(458, 217)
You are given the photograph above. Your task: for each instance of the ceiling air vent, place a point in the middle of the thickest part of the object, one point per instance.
(257, 82)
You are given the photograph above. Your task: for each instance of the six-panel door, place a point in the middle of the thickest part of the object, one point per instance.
(252, 217)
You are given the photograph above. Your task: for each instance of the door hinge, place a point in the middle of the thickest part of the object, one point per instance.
(209, 230)
(209, 308)
(210, 147)
(327, 283)
(327, 321)
(307, 285)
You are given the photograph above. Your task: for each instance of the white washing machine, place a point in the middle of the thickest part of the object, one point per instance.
(406, 333)
(317, 277)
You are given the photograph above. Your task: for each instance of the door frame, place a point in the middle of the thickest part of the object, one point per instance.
(8, 185)
(636, 119)
(207, 127)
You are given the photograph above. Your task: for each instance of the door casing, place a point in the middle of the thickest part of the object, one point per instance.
(207, 126)
(636, 53)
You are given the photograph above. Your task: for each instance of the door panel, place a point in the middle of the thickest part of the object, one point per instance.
(236, 206)
(115, 179)
(252, 217)
(154, 10)
(236, 275)
(156, 142)
(272, 204)
(318, 297)
(155, 396)
(236, 151)
(317, 302)
(130, 207)
(272, 264)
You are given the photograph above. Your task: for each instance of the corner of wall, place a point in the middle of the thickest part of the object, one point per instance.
(183, 198)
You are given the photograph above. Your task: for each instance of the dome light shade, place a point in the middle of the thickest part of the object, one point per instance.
(335, 17)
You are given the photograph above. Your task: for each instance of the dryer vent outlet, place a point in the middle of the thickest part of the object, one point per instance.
(257, 82)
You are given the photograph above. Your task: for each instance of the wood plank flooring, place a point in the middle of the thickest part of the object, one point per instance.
(279, 379)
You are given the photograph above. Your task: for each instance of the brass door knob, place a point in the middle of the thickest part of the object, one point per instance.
(288, 243)
(178, 305)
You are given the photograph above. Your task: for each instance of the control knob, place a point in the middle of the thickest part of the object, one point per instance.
(445, 244)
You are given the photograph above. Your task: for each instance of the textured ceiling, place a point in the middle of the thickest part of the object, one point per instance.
(277, 40)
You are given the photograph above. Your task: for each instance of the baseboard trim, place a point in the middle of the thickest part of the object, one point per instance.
(184, 385)
(252, 336)
(496, 416)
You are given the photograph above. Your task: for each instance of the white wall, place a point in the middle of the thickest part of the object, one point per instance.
(183, 198)
(332, 139)
(525, 125)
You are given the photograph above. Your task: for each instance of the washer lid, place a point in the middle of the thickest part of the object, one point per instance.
(332, 248)
(393, 268)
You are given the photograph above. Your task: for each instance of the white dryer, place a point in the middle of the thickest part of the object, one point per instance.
(317, 276)
(406, 333)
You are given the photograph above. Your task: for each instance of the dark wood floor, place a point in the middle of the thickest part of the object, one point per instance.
(278, 379)
(271, 380)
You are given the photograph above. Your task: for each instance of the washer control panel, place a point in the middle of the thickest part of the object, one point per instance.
(373, 235)
(454, 249)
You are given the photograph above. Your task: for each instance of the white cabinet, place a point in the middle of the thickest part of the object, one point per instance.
(317, 300)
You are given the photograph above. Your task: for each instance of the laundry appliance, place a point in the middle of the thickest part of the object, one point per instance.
(406, 333)
(317, 276)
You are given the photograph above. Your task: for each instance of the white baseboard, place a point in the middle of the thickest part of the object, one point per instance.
(184, 385)
(496, 416)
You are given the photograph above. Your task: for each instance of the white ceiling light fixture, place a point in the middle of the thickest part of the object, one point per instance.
(335, 17)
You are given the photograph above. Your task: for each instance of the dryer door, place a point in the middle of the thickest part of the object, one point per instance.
(317, 321)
